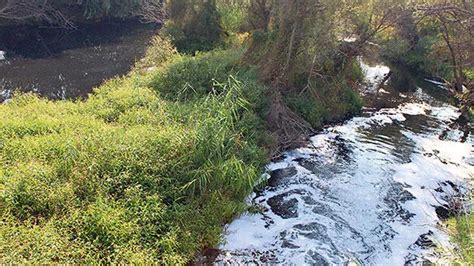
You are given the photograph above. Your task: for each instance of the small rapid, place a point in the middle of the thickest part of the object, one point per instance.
(371, 191)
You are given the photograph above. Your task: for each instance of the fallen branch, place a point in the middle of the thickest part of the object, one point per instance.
(289, 129)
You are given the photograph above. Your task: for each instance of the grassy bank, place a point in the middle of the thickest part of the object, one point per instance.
(460, 229)
(148, 169)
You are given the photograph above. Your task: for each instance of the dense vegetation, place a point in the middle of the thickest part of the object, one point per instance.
(152, 165)
(129, 175)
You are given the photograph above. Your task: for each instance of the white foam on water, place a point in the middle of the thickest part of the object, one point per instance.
(5, 94)
(361, 192)
(350, 39)
(374, 74)
(435, 162)
(2, 55)
(435, 82)
(446, 112)
(414, 108)
(441, 85)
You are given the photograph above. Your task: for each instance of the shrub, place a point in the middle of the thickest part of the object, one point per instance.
(158, 52)
(310, 109)
(420, 58)
(194, 25)
(332, 104)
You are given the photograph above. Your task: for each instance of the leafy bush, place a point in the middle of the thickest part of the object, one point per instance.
(159, 51)
(194, 25)
(419, 58)
(233, 14)
(331, 105)
(233, 20)
(310, 109)
(195, 75)
(189, 78)
(328, 100)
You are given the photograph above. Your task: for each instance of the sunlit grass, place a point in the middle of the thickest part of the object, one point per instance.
(128, 176)
(461, 231)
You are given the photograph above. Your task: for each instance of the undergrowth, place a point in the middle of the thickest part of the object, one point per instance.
(331, 107)
(329, 100)
(461, 233)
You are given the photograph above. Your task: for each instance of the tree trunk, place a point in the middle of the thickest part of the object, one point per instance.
(457, 70)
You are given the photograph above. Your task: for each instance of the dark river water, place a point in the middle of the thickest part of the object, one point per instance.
(62, 64)
(369, 191)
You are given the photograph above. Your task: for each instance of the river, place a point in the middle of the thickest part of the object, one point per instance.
(370, 191)
(68, 64)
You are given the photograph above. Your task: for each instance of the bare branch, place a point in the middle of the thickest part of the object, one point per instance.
(151, 11)
(40, 10)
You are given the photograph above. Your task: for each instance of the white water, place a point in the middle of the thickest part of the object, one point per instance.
(374, 74)
(361, 192)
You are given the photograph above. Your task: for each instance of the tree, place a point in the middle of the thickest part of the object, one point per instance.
(456, 23)
(290, 47)
(151, 11)
(300, 48)
(260, 14)
(363, 21)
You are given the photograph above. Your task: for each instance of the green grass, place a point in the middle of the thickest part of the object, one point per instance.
(128, 176)
(460, 229)
(328, 108)
(330, 100)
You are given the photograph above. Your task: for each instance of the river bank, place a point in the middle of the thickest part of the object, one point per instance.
(460, 230)
(136, 172)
